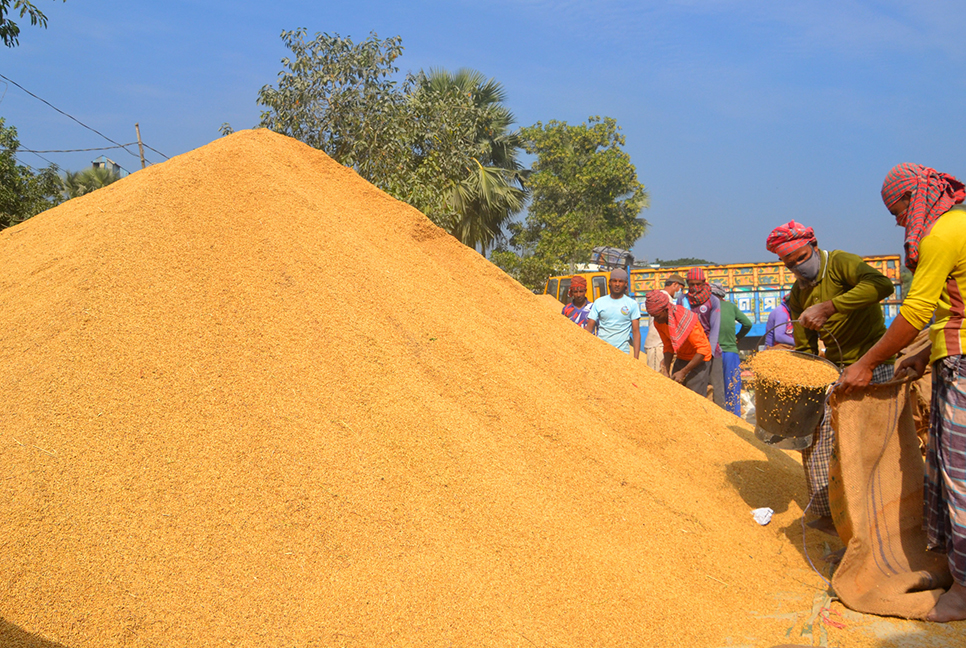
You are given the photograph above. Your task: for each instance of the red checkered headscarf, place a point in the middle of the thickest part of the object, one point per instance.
(696, 275)
(700, 293)
(680, 321)
(578, 282)
(933, 193)
(787, 238)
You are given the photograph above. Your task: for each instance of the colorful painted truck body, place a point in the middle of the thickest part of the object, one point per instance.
(756, 288)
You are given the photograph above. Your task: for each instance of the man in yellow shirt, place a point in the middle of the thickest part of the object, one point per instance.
(928, 204)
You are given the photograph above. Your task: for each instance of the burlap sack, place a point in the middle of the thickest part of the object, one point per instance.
(875, 491)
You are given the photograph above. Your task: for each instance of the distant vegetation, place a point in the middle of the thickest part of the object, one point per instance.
(686, 261)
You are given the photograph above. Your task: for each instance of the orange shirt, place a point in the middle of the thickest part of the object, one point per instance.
(697, 342)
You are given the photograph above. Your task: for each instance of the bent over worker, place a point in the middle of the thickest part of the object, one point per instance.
(928, 204)
(683, 337)
(836, 299)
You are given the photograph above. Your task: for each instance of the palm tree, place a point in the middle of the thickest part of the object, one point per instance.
(71, 185)
(78, 183)
(493, 188)
(97, 177)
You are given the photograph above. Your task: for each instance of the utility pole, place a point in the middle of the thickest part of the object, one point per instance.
(137, 129)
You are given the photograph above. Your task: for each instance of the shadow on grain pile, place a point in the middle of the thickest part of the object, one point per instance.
(13, 637)
(259, 402)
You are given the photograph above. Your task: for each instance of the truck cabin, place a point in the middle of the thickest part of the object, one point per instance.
(559, 286)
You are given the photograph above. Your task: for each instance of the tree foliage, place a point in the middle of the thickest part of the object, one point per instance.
(78, 183)
(683, 261)
(439, 142)
(585, 193)
(23, 192)
(9, 30)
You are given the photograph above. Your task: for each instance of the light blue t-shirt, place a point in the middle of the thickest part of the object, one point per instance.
(614, 317)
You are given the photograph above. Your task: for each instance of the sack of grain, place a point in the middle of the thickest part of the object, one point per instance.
(875, 492)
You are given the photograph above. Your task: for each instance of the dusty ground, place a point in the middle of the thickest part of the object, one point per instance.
(253, 401)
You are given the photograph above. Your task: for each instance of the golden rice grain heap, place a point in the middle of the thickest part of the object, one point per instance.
(793, 369)
(251, 400)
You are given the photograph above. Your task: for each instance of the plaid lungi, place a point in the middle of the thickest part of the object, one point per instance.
(944, 497)
(815, 458)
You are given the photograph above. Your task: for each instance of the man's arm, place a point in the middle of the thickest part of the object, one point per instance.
(636, 337)
(590, 325)
(897, 337)
(668, 363)
(715, 323)
(745, 323)
(869, 286)
(681, 375)
(937, 259)
(702, 353)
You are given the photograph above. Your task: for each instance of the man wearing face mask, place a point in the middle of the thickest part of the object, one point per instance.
(708, 309)
(836, 299)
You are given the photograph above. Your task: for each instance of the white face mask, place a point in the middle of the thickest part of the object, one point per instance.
(808, 269)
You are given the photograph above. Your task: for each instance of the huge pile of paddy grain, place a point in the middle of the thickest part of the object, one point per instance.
(251, 400)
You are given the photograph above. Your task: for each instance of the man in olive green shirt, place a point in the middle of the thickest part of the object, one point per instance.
(836, 299)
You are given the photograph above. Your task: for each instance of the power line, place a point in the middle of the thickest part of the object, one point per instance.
(100, 148)
(118, 145)
(156, 151)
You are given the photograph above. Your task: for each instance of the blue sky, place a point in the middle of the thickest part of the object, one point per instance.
(739, 115)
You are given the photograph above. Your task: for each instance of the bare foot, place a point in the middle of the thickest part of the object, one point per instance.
(823, 524)
(951, 605)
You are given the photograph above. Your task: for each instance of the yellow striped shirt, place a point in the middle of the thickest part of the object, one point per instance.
(940, 284)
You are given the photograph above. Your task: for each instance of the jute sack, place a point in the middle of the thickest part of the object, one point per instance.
(875, 492)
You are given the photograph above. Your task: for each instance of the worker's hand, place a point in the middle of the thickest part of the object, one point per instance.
(664, 371)
(913, 366)
(854, 377)
(679, 376)
(814, 317)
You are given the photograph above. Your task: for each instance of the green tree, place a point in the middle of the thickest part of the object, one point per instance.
(439, 142)
(78, 183)
(23, 192)
(340, 97)
(9, 30)
(585, 193)
(492, 189)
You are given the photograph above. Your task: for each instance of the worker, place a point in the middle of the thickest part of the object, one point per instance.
(616, 318)
(683, 337)
(708, 309)
(728, 338)
(928, 204)
(836, 299)
(579, 307)
(779, 330)
(653, 346)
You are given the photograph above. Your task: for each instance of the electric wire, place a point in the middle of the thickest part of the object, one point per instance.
(98, 148)
(116, 144)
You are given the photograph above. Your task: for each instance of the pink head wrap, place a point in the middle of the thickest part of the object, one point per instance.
(787, 238)
(933, 193)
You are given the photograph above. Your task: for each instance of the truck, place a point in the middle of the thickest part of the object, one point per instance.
(756, 288)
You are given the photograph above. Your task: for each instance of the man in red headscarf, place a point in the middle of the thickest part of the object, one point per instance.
(835, 299)
(682, 337)
(928, 204)
(579, 307)
(707, 308)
